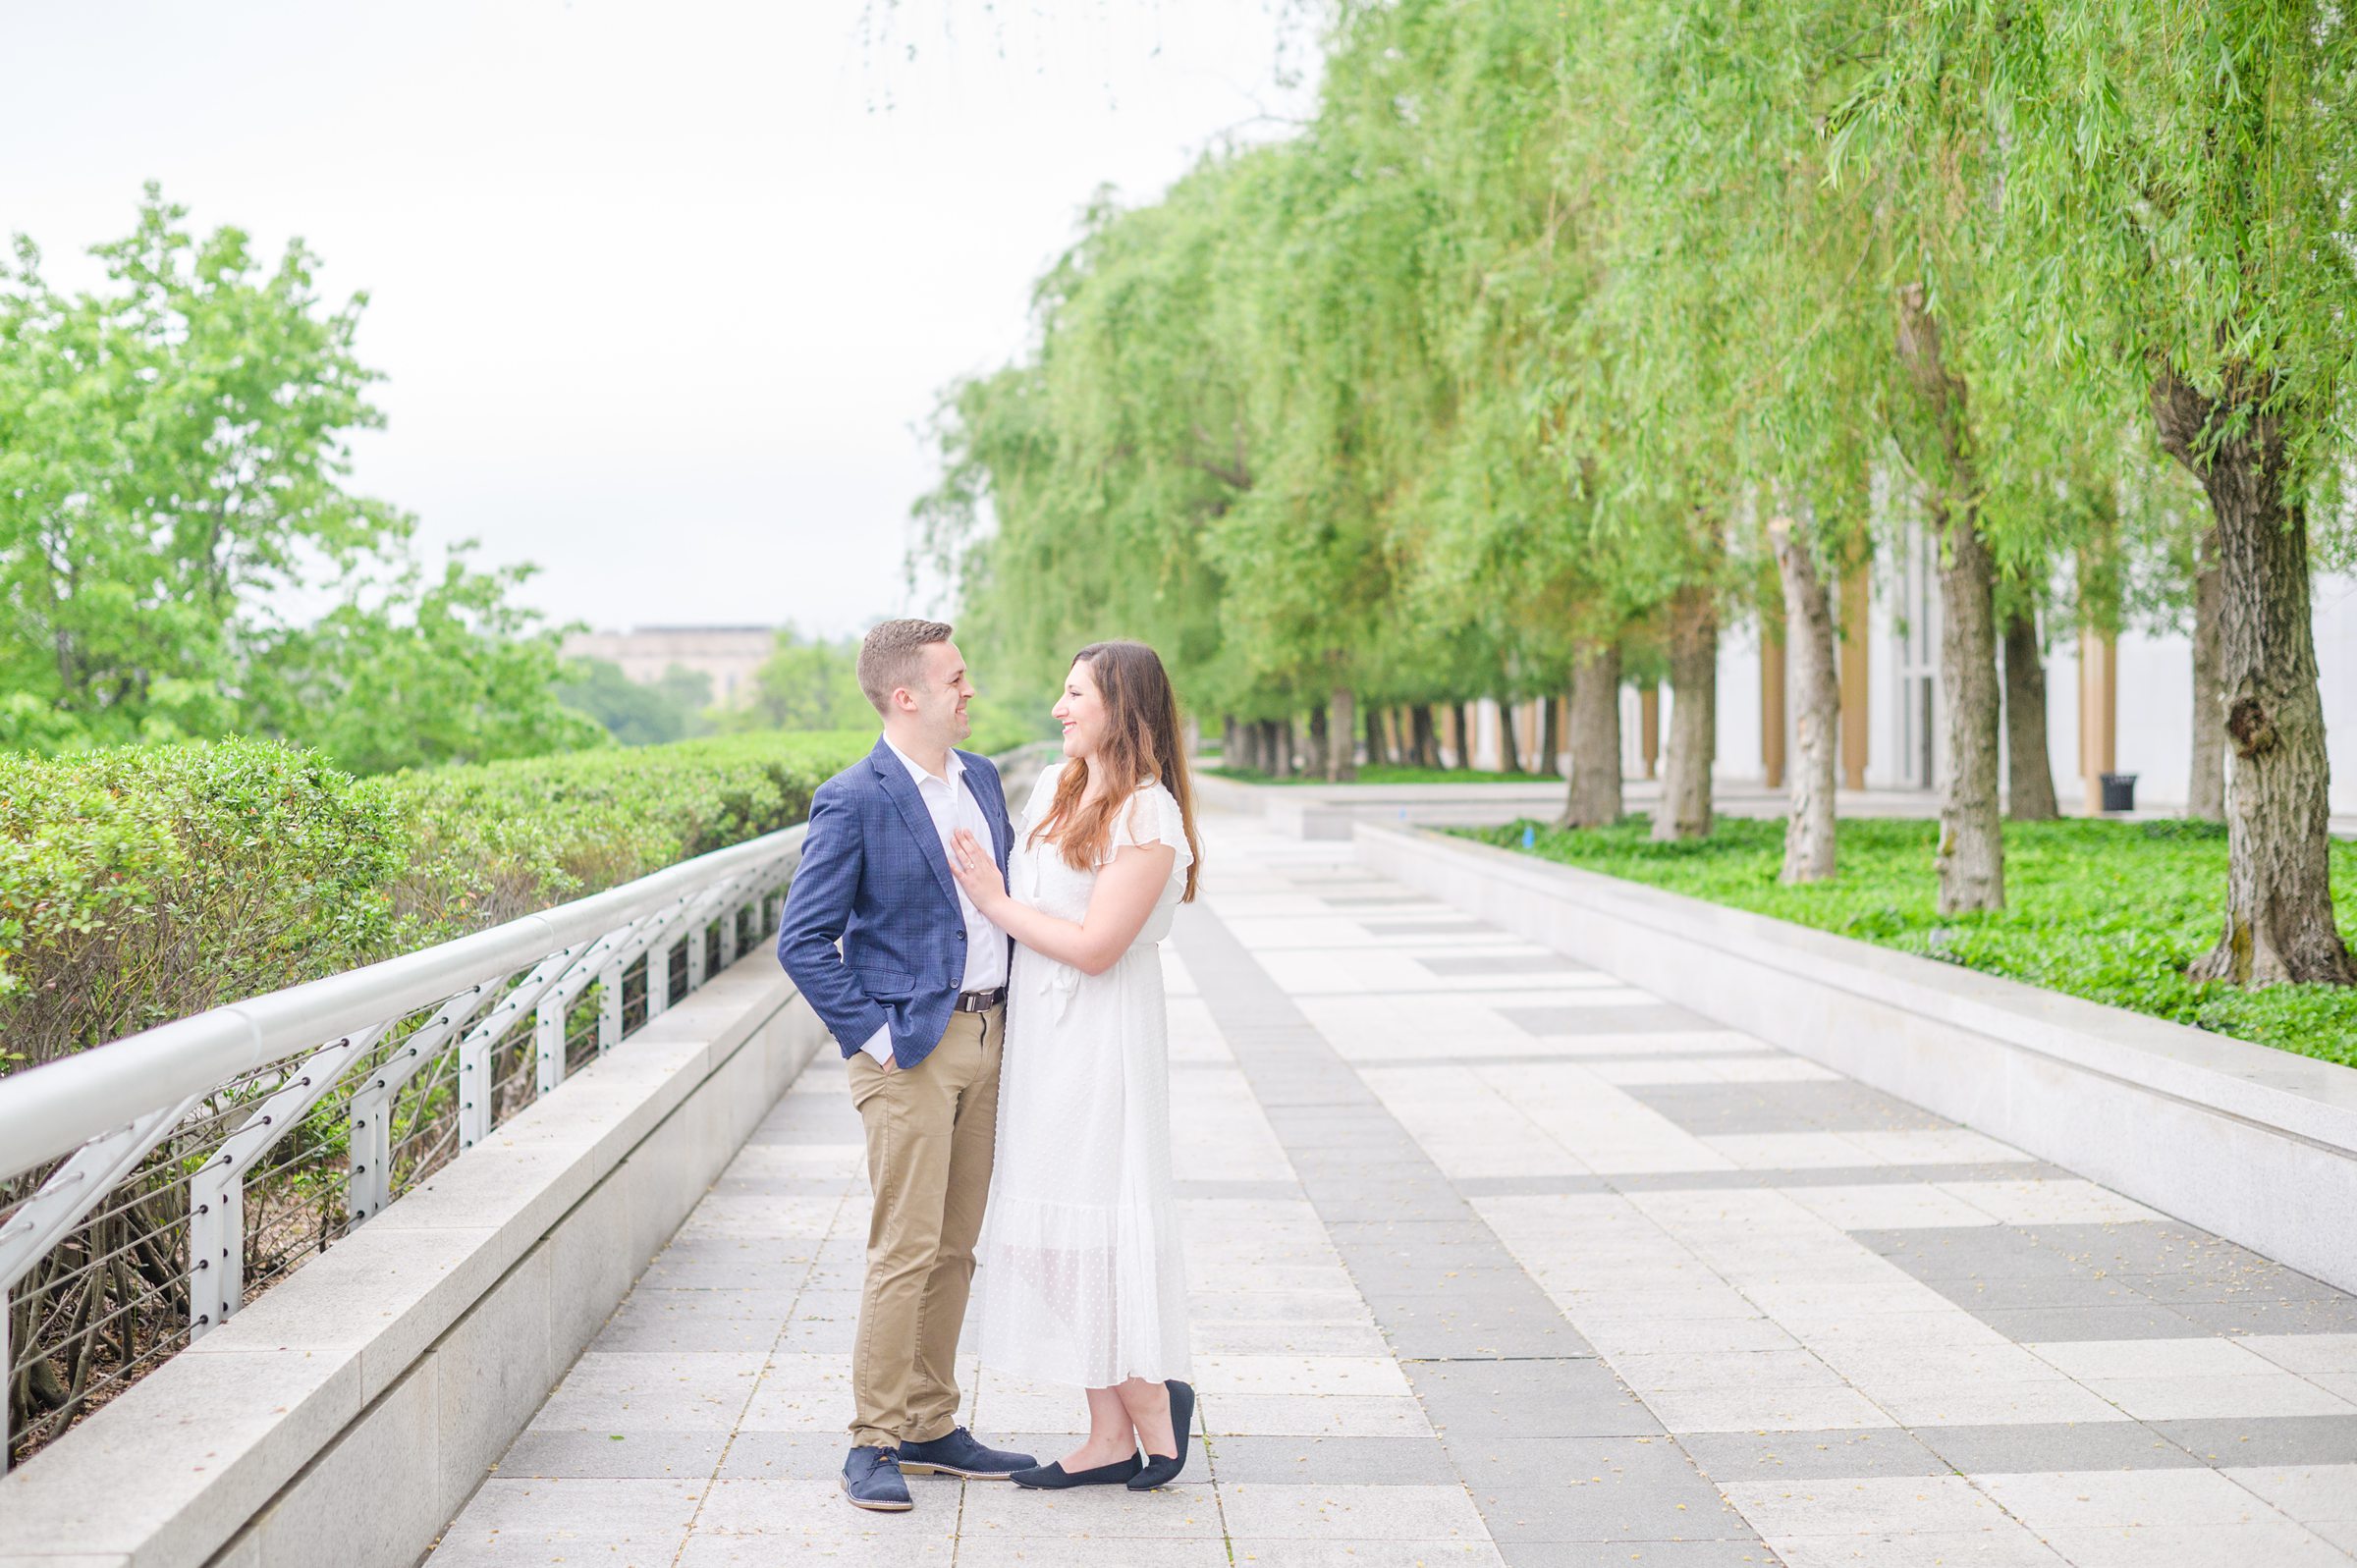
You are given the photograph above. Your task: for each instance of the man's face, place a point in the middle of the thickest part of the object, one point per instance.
(945, 692)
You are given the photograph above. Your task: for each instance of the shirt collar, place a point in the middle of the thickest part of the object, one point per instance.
(956, 771)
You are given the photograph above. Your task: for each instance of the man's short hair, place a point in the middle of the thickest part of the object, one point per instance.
(893, 657)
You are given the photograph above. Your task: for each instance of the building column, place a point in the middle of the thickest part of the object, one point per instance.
(1649, 728)
(2098, 717)
(1772, 709)
(1856, 706)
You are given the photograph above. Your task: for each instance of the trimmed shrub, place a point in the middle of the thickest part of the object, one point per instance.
(146, 884)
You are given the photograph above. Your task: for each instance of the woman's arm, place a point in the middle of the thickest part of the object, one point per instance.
(1125, 897)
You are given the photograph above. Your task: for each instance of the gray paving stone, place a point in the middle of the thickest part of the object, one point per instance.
(1972, 1252)
(792, 1455)
(1216, 1188)
(653, 1318)
(1532, 1186)
(607, 1456)
(764, 1186)
(728, 1262)
(1642, 1018)
(2133, 1318)
(1591, 1490)
(1831, 1176)
(1837, 1104)
(1382, 900)
(2251, 1315)
(2005, 1293)
(1497, 1323)
(1731, 1553)
(1340, 1461)
(2140, 1247)
(2066, 1445)
(1427, 928)
(2266, 1439)
(1501, 963)
(1731, 1456)
(1526, 1400)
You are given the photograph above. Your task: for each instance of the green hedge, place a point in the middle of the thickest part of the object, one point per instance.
(142, 885)
(2111, 911)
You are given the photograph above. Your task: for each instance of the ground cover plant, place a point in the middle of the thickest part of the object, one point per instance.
(2111, 912)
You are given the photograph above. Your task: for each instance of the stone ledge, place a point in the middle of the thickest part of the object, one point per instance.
(265, 1416)
(2256, 1144)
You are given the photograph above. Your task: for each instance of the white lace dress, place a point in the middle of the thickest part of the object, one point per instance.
(1080, 1277)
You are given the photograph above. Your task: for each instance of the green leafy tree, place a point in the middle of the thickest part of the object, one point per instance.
(174, 450)
(652, 714)
(805, 683)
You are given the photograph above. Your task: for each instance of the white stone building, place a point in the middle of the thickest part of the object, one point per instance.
(1902, 743)
(729, 655)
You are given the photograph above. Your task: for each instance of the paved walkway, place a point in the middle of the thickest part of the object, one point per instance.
(1496, 1259)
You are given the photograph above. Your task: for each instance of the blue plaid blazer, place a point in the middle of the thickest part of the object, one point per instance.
(873, 878)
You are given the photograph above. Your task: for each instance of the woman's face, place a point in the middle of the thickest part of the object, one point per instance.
(1082, 713)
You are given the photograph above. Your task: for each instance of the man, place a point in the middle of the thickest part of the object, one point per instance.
(917, 998)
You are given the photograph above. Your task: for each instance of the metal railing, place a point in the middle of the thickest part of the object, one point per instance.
(151, 1187)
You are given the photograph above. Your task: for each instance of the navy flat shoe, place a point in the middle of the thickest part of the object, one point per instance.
(1054, 1477)
(1159, 1471)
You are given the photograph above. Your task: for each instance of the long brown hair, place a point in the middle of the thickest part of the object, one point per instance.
(1142, 743)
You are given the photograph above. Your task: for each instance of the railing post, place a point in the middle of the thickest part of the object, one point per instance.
(658, 980)
(216, 1246)
(609, 1007)
(697, 951)
(548, 1039)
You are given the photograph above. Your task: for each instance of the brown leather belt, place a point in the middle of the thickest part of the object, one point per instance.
(979, 1001)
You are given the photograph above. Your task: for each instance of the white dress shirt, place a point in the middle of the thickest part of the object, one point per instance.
(953, 806)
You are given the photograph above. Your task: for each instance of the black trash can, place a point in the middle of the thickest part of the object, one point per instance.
(2119, 791)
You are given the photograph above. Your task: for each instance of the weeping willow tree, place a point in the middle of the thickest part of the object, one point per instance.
(2178, 179)
(1079, 484)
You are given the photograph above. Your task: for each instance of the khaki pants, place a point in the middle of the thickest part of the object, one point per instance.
(930, 1133)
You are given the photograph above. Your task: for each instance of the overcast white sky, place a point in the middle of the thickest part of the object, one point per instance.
(661, 289)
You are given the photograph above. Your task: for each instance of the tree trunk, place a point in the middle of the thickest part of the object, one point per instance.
(2029, 775)
(2278, 924)
(1464, 736)
(1972, 846)
(1551, 739)
(2205, 790)
(1341, 730)
(1816, 708)
(1510, 746)
(1685, 808)
(1594, 799)
(1319, 737)
(1427, 745)
(1281, 745)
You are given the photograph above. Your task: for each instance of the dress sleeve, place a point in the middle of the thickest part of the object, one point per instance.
(1153, 818)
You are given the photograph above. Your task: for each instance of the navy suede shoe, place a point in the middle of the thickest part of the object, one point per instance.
(871, 1480)
(955, 1453)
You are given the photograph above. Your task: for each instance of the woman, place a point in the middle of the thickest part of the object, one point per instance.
(1080, 1268)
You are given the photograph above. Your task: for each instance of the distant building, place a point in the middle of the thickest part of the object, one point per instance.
(728, 654)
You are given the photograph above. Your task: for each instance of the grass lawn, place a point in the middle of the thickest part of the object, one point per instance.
(2111, 912)
(1387, 773)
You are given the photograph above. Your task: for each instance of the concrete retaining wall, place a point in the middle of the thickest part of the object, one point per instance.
(347, 1415)
(2258, 1145)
